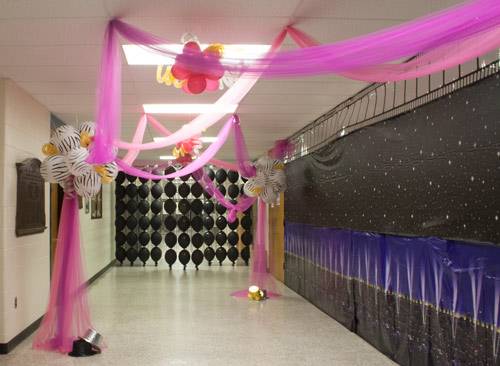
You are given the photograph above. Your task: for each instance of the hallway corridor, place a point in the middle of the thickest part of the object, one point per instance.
(154, 317)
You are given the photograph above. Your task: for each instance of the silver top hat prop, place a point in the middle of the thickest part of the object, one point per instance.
(91, 336)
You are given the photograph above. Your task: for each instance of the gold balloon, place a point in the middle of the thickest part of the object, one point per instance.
(85, 139)
(49, 149)
(101, 170)
(215, 48)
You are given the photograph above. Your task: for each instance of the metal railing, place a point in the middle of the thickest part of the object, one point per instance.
(381, 101)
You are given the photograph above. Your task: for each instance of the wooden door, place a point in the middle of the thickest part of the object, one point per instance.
(277, 240)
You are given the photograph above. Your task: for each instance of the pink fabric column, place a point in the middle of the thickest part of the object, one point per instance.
(259, 275)
(67, 315)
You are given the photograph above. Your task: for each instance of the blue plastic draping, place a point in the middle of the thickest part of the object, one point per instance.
(457, 276)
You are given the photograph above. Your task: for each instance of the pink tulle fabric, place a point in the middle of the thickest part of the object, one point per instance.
(242, 204)
(68, 315)
(195, 165)
(259, 275)
(441, 40)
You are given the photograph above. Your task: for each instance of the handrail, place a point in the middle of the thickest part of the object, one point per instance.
(381, 101)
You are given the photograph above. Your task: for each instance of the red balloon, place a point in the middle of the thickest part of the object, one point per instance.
(191, 47)
(180, 72)
(196, 83)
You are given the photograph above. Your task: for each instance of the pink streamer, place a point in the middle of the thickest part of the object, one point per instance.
(68, 315)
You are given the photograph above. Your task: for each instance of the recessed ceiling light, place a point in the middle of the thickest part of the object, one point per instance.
(167, 157)
(189, 108)
(233, 53)
(205, 139)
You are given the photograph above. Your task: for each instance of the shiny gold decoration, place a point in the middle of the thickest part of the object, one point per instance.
(256, 294)
(49, 150)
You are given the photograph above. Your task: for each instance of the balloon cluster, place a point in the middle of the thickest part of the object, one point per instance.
(186, 150)
(184, 75)
(66, 163)
(269, 181)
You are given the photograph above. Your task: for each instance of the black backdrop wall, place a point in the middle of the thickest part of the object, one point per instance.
(362, 216)
(434, 171)
(178, 221)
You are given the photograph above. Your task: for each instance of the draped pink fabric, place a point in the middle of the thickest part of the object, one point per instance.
(441, 40)
(259, 275)
(68, 315)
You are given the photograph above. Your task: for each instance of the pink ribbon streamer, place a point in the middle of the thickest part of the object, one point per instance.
(68, 315)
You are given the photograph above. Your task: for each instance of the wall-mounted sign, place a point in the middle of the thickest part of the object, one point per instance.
(30, 207)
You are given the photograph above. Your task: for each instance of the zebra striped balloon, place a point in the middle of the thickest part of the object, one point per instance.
(269, 195)
(76, 161)
(254, 186)
(54, 169)
(111, 170)
(65, 139)
(88, 185)
(88, 127)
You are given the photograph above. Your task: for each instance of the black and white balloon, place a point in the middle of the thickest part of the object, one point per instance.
(269, 181)
(88, 185)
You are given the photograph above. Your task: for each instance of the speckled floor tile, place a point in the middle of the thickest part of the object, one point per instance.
(156, 317)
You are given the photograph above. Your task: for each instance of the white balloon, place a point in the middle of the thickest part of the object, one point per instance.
(87, 127)
(77, 161)
(65, 138)
(54, 169)
(88, 185)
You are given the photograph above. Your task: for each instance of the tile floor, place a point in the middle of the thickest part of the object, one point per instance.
(153, 316)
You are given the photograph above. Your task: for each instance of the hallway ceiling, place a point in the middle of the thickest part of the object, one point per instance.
(51, 48)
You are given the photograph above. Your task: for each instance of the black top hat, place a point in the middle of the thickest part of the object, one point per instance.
(82, 348)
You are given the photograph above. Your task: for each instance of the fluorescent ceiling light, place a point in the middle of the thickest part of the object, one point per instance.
(233, 53)
(167, 157)
(189, 108)
(206, 139)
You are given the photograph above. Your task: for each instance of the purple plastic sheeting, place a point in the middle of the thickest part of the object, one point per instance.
(68, 315)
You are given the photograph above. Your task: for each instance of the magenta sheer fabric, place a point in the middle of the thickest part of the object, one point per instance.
(201, 161)
(259, 275)
(68, 315)
(196, 167)
(442, 40)
(243, 203)
(392, 44)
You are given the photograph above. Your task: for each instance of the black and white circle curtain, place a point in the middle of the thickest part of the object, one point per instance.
(175, 221)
